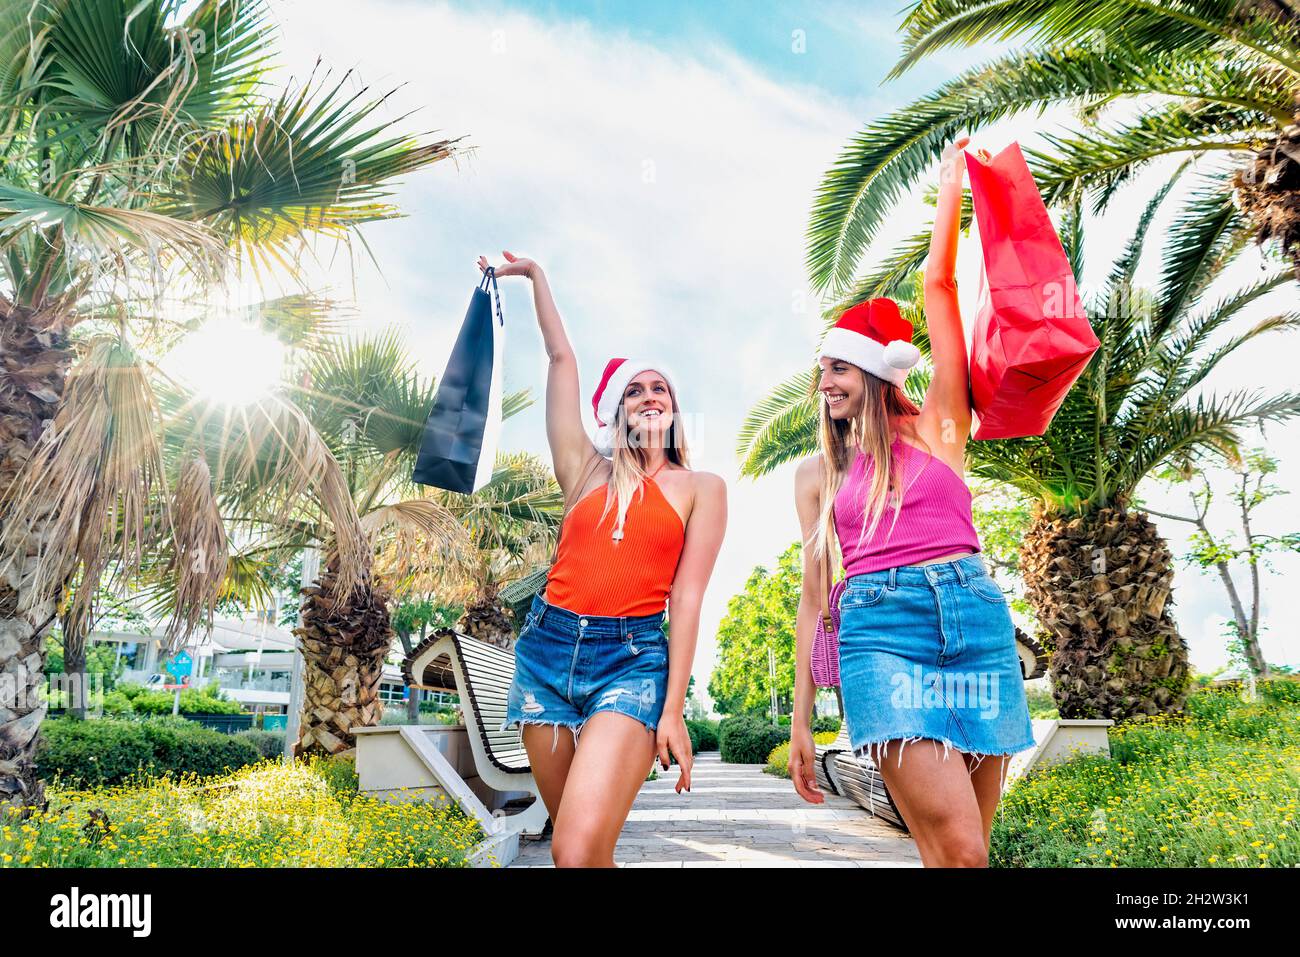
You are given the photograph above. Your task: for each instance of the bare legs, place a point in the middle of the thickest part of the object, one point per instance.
(948, 804)
(588, 791)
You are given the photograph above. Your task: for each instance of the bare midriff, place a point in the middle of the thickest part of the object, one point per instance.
(946, 558)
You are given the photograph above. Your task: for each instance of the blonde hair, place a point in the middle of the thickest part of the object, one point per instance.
(883, 403)
(629, 463)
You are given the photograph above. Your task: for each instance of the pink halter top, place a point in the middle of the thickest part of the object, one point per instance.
(935, 518)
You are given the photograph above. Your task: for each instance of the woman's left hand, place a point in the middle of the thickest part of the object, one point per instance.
(672, 737)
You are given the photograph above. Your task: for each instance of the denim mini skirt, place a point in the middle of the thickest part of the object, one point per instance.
(929, 652)
(570, 666)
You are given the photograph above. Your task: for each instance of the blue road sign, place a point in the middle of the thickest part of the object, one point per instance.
(181, 665)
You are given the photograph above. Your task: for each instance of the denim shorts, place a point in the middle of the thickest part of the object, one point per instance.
(929, 651)
(570, 666)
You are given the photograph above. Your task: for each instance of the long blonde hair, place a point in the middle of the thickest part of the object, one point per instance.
(629, 463)
(883, 403)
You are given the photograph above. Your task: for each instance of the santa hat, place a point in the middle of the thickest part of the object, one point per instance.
(609, 395)
(874, 336)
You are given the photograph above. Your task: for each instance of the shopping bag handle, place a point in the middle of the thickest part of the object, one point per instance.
(490, 278)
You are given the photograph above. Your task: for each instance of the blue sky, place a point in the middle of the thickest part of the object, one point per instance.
(837, 47)
(659, 161)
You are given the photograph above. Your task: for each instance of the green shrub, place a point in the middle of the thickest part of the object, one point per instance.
(339, 772)
(704, 735)
(109, 751)
(824, 723)
(1280, 690)
(744, 739)
(778, 762)
(207, 700)
(1041, 703)
(117, 703)
(269, 744)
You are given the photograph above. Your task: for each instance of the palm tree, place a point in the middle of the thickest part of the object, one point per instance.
(141, 152)
(513, 522)
(1097, 572)
(364, 403)
(1217, 80)
(369, 403)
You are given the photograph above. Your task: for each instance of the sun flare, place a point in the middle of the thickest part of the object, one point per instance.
(228, 361)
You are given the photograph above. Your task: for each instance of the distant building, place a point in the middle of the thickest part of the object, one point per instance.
(251, 661)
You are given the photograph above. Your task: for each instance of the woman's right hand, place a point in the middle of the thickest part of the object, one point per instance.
(803, 764)
(513, 266)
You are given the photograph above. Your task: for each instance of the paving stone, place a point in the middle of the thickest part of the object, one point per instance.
(737, 816)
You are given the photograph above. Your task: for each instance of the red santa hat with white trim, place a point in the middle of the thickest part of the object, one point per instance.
(874, 336)
(609, 395)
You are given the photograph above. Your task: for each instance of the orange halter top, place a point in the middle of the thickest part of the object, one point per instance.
(595, 575)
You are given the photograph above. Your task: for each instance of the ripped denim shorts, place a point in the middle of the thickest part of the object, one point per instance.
(570, 666)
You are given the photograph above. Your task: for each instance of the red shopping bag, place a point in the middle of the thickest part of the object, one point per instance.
(1032, 339)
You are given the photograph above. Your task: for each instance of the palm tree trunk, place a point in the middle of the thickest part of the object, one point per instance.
(34, 362)
(1100, 584)
(344, 644)
(486, 620)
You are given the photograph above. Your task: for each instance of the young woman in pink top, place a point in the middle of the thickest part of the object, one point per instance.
(927, 645)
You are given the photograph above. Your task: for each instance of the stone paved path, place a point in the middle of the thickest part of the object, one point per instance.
(737, 816)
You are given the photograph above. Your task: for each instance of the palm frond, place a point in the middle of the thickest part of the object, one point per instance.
(1210, 424)
(304, 164)
(1103, 160)
(1186, 27)
(883, 161)
(1209, 230)
(781, 427)
(200, 555)
(89, 490)
(106, 229)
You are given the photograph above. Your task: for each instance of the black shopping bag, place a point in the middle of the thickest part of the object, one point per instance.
(459, 446)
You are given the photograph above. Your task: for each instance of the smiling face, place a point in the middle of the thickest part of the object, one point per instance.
(648, 408)
(843, 387)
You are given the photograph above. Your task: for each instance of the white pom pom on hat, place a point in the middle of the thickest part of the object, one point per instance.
(874, 336)
(901, 355)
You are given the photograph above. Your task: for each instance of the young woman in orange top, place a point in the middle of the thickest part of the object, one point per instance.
(591, 656)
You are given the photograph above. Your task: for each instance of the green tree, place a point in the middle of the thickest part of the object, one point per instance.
(1251, 488)
(1097, 573)
(761, 617)
(412, 620)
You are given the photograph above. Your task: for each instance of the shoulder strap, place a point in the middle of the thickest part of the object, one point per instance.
(823, 561)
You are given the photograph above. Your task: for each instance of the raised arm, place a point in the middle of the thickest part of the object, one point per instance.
(704, 531)
(803, 753)
(571, 447)
(947, 402)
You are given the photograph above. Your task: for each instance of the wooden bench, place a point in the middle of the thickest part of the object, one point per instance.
(857, 779)
(481, 675)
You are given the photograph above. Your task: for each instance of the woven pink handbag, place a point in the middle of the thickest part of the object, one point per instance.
(826, 642)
